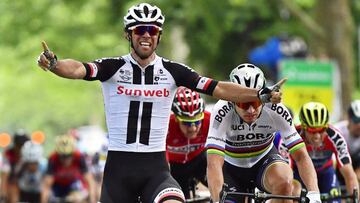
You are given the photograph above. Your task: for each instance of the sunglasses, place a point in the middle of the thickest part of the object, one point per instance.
(196, 120)
(191, 123)
(315, 130)
(142, 29)
(246, 105)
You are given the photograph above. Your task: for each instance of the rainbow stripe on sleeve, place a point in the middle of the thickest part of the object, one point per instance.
(215, 149)
(295, 145)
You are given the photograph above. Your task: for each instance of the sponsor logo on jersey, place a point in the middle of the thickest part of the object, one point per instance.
(223, 111)
(283, 112)
(265, 126)
(125, 75)
(184, 149)
(143, 92)
(237, 127)
(203, 83)
(253, 136)
(290, 136)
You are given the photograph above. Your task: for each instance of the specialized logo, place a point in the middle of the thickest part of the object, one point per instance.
(143, 92)
(223, 111)
(281, 111)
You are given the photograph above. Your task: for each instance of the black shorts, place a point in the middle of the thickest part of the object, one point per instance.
(130, 175)
(190, 173)
(246, 179)
(29, 197)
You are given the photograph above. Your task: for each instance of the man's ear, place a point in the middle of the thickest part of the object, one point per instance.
(127, 36)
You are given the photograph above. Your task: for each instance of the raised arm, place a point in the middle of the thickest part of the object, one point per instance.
(67, 68)
(236, 93)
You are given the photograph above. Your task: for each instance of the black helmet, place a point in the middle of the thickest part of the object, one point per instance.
(20, 137)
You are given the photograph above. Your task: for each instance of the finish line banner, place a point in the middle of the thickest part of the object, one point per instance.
(311, 81)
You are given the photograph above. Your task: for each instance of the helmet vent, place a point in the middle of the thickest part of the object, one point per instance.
(146, 10)
(237, 79)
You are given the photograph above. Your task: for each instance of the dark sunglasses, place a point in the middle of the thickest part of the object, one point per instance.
(315, 130)
(191, 123)
(142, 29)
(247, 105)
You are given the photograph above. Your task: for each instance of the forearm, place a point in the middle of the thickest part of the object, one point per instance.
(215, 176)
(233, 92)
(69, 68)
(3, 184)
(45, 194)
(349, 175)
(92, 190)
(306, 170)
(46, 187)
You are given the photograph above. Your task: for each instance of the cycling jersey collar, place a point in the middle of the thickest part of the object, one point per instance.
(131, 59)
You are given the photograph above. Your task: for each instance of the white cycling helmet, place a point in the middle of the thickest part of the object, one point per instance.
(31, 152)
(143, 13)
(354, 111)
(248, 75)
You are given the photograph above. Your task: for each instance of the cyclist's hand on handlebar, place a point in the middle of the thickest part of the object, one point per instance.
(272, 93)
(47, 59)
(313, 196)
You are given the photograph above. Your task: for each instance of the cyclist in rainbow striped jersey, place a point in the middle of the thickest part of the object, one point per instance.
(241, 154)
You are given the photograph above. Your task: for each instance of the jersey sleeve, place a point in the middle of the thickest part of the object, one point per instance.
(219, 123)
(285, 126)
(339, 147)
(102, 69)
(185, 76)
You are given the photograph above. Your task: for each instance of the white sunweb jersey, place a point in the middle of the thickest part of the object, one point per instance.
(244, 145)
(138, 100)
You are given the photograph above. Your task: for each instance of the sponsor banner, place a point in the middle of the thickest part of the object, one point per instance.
(311, 81)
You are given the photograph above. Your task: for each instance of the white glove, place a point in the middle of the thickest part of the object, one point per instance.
(313, 196)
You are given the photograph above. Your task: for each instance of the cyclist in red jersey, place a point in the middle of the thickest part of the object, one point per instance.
(323, 142)
(185, 142)
(8, 188)
(67, 177)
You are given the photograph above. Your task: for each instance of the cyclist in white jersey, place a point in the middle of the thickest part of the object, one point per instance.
(241, 153)
(138, 90)
(350, 130)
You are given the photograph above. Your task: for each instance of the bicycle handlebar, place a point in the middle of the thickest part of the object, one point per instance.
(354, 197)
(262, 196)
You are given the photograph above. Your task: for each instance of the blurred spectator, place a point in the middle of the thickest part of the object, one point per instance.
(98, 165)
(11, 158)
(275, 49)
(30, 171)
(67, 178)
(350, 129)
